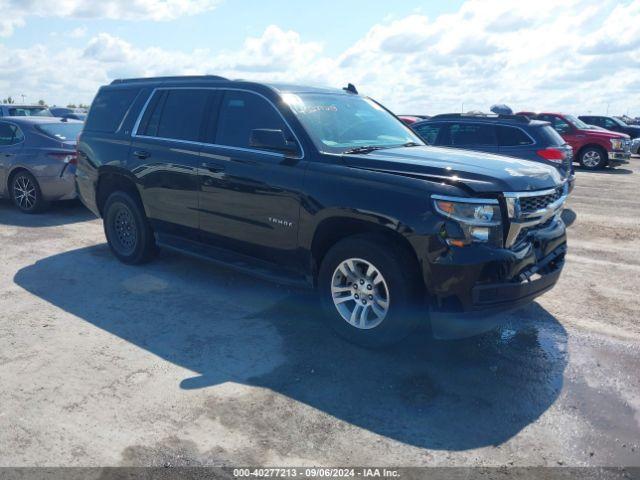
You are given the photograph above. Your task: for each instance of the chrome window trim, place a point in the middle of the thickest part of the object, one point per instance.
(134, 131)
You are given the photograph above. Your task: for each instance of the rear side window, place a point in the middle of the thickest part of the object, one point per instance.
(470, 134)
(29, 111)
(61, 131)
(551, 137)
(429, 132)
(10, 134)
(512, 137)
(109, 108)
(176, 114)
(242, 112)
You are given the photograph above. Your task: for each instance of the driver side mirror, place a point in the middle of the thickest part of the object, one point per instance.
(271, 139)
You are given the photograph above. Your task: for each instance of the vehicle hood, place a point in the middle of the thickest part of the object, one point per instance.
(476, 171)
(604, 134)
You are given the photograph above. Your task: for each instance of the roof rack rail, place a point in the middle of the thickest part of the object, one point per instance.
(488, 116)
(168, 78)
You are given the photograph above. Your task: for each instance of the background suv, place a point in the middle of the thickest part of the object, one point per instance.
(594, 149)
(613, 124)
(513, 135)
(322, 188)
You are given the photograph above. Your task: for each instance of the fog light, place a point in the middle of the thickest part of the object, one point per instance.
(480, 234)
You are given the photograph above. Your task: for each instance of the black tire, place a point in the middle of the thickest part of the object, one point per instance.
(127, 229)
(589, 154)
(25, 193)
(401, 278)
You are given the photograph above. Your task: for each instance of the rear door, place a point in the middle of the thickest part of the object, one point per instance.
(469, 136)
(250, 197)
(164, 156)
(11, 143)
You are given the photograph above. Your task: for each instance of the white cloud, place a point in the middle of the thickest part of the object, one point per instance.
(14, 12)
(576, 56)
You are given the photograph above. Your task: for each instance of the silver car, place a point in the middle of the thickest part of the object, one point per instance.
(37, 160)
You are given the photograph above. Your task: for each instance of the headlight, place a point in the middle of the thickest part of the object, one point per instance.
(616, 143)
(477, 220)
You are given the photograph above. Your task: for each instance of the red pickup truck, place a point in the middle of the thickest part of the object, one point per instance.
(594, 149)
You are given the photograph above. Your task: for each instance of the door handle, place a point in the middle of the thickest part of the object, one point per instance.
(141, 154)
(9, 154)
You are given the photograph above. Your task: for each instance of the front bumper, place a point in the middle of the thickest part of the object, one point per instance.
(475, 286)
(619, 158)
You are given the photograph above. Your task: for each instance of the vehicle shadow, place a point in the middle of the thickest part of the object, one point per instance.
(453, 395)
(58, 213)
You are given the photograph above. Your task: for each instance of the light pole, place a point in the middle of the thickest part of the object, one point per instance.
(23, 95)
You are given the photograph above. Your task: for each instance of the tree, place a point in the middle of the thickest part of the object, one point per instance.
(42, 102)
(71, 105)
(8, 100)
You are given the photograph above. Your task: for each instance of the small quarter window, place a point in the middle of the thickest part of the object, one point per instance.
(511, 136)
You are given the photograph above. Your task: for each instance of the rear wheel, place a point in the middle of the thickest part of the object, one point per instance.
(368, 290)
(127, 229)
(26, 193)
(593, 158)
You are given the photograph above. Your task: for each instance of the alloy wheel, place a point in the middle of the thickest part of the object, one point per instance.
(591, 159)
(25, 192)
(360, 293)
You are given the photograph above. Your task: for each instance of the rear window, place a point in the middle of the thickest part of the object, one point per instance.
(29, 111)
(512, 137)
(61, 131)
(176, 114)
(471, 134)
(550, 136)
(428, 131)
(108, 109)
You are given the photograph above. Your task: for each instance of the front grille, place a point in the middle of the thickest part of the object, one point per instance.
(524, 233)
(532, 204)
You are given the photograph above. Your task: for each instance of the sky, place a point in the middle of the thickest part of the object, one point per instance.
(416, 57)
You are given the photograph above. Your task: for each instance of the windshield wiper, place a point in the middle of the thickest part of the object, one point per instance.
(411, 144)
(363, 149)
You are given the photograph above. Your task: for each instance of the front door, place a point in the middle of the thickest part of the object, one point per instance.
(250, 197)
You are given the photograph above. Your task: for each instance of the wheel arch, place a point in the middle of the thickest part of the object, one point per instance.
(114, 179)
(332, 230)
(592, 145)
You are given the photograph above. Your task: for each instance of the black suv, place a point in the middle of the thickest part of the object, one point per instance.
(322, 188)
(512, 135)
(612, 123)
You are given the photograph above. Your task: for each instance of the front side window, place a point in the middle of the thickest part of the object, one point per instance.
(610, 123)
(9, 134)
(470, 134)
(340, 122)
(512, 136)
(243, 112)
(575, 121)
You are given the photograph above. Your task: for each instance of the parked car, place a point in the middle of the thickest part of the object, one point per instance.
(65, 112)
(409, 119)
(322, 188)
(612, 124)
(635, 146)
(12, 110)
(513, 135)
(593, 149)
(628, 120)
(37, 160)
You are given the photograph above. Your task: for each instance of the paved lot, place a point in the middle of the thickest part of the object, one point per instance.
(183, 363)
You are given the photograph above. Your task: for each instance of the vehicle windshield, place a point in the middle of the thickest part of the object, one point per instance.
(29, 111)
(62, 131)
(338, 123)
(576, 122)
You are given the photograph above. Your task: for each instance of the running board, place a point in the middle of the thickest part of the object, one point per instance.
(235, 261)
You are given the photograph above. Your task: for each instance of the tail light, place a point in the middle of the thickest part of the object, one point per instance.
(67, 157)
(555, 155)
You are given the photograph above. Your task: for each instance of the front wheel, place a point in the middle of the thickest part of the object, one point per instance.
(127, 230)
(368, 290)
(593, 159)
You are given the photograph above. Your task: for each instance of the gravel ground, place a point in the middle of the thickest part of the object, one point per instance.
(183, 363)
